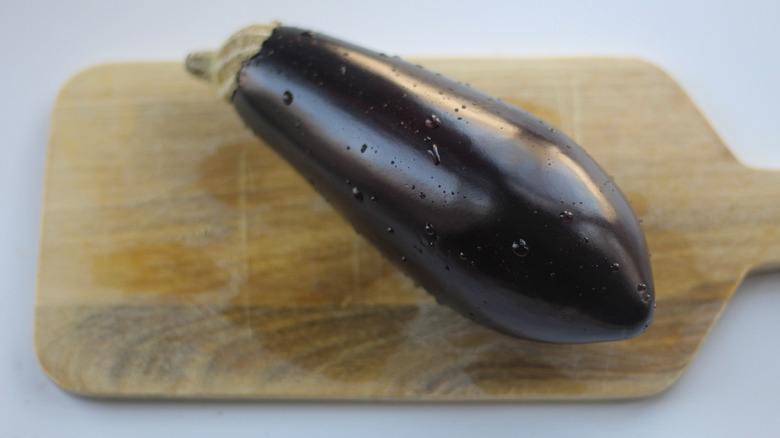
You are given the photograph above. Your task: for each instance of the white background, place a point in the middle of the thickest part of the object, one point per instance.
(725, 54)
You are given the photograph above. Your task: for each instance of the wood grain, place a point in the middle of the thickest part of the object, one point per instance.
(181, 258)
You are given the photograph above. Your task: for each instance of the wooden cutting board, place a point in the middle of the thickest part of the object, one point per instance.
(181, 258)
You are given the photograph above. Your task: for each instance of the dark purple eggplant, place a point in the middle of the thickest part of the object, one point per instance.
(492, 210)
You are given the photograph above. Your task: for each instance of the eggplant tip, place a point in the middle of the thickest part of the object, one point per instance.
(220, 67)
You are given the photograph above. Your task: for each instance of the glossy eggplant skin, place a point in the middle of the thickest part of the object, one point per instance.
(489, 208)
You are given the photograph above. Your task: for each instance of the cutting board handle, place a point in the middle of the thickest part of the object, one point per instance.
(757, 207)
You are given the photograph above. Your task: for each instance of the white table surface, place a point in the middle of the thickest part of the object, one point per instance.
(727, 57)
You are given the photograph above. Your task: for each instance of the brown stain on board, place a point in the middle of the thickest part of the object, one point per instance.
(163, 268)
(238, 174)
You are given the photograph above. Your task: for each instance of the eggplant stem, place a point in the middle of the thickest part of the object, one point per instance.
(220, 67)
(199, 64)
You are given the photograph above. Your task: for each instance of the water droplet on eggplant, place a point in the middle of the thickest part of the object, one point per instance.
(433, 153)
(287, 98)
(357, 194)
(520, 248)
(433, 121)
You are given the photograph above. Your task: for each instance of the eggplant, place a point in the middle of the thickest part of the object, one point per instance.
(492, 210)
